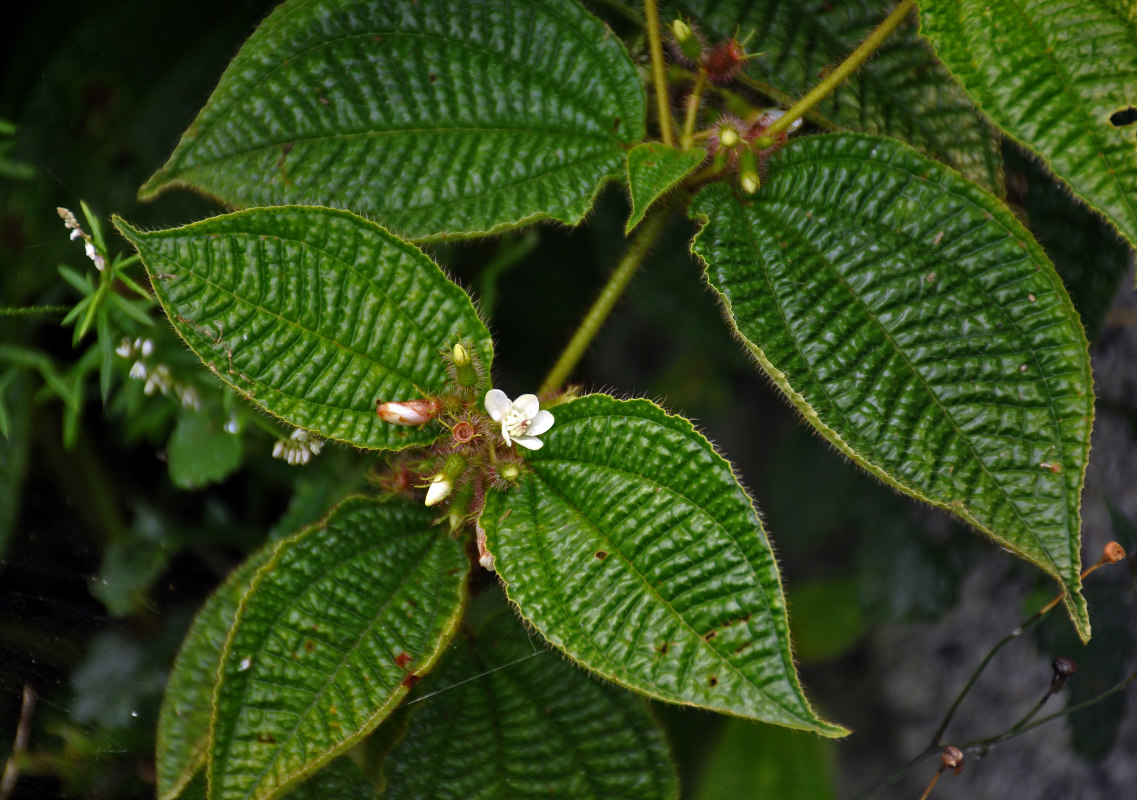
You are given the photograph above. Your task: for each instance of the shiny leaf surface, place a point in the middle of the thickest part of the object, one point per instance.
(1060, 76)
(442, 117)
(653, 170)
(503, 717)
(313, 314)
(920, 329)
(630, 545)
(183, 723)
(335, 630)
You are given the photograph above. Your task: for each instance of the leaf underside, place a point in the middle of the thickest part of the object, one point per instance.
(313, 314)
(653, 170)
(505, 718)
(334, 632)
(435, 118)
(630, 545)
(1053, 74)
(902, 91)
(920, 329)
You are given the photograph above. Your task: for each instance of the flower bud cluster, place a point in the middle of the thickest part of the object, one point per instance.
(299, 448)
(77, 232)
(156, 377)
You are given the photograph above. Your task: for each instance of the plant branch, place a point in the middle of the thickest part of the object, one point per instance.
(693, 101)
(843, 70)
(658, 79)
(649, 232)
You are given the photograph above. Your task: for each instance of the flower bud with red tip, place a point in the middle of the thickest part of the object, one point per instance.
(408, 412)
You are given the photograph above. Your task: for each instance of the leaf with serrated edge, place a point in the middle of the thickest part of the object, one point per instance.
(1051, 73)
(631, 546)
(313, 314)
(183, 723)
(339, 780)
(902, 91)
(653, 170)
(505, 719)
(333, 633)
(920, 329)
(447, 117)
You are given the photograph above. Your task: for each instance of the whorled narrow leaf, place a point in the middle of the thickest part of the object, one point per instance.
(336, 629)
(631, 546)
(902, 91)
(313, 314)
(183, 722)
(653, 170)
(1060, 76)
(920, 329)
(439, 117)
(503, 717)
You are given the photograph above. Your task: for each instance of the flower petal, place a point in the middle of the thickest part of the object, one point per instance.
(497, 404)
(540, 423)
(528, 442)
(528, 405)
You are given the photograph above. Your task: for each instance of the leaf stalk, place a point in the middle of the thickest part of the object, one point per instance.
(658, 79)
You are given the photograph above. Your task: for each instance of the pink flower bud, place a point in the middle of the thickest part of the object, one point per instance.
(408, 412)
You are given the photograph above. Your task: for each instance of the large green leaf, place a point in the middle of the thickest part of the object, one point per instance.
(333, 633)
(435, 117)
(183, 722)
(339, 780)
(920, 329)
(902, 91)
(505, 718)
(760, 762)
(1053, 74)
(313, 314)
(631, 546)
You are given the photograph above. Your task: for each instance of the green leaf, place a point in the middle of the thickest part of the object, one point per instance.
(447, 117)
(653, 170)
(183, 723)
(902, 91)
(631, 546)
(920, 329)
(313, 314)
(1052, 74)
(333, 633)
(504, 719)
(201, 451)
(766, 763)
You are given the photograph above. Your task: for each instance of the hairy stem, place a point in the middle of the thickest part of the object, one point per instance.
(693, 101)
(843, 70)
(651, 13)
(649, 231)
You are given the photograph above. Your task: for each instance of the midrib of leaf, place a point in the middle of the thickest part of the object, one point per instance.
(302, 717)
(696, 509)
(884, 234)
(293, 324)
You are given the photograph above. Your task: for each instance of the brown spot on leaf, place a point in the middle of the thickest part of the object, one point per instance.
(433, 78)
(1126, 116)
(401, 660)
(309, 645)
(709, 636)
(713, 681)
(266, 738)
(410, 681)
(601, 554)
(742, 647)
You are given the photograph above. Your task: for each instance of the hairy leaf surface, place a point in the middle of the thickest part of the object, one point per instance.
(335, 630)
(506, 718)
(440, 117)
(183, 723)
(920, 329)
(902, 91)
(630, 545)
(1060, 76)
(654, 169)
(313, 314)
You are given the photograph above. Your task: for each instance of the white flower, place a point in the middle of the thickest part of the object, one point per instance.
(522, 420)
(439, 490)
(299, 448)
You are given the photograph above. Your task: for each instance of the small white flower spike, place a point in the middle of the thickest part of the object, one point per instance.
(522, 420)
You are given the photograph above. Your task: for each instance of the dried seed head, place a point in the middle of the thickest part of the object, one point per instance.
(952, 758)
(1112, 553)
(1064, 669)
(723, 62)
